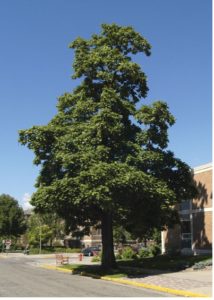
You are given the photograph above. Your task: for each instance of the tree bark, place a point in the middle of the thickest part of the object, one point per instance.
(108, 258)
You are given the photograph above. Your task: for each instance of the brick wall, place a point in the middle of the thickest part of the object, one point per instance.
(202, 230)
(204, 186)
(200, 215)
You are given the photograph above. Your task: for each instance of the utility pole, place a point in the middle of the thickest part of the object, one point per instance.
(40, 237)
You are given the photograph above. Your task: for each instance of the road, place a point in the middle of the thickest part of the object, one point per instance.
(20, 277)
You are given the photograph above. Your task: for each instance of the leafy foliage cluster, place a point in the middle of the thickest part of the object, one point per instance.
(12, 219)
(44, 227)
(144, 252)
(128, 253)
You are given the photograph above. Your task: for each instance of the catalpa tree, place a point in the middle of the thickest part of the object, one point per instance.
(103, 161)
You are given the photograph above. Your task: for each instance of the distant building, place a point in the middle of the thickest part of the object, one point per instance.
(194, 234)
(94, 239)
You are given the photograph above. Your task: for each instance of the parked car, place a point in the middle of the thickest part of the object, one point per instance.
(91, 251)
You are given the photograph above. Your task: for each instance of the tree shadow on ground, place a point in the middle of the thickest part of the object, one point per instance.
(140, 267)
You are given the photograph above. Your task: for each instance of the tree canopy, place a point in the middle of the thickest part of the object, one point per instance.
(104, 160)
(12, 219)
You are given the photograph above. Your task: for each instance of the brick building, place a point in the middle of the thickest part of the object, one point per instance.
(194, 234)
(94, 239)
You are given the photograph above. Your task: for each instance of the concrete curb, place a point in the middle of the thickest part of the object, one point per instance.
(128, 282)
(156, 287)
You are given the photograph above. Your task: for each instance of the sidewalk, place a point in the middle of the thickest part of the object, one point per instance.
(198, 282)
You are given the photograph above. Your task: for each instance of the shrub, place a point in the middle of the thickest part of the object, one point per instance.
(44, 250)
(143, 253)
(96, 258)
(60, 249)
(154, 250)
(73, 250)
(202, 264)
(48, 249)
(118, 256)
(128, 253)
(67, 250)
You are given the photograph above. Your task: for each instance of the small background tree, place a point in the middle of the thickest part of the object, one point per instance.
(12, 219)
(47, 227)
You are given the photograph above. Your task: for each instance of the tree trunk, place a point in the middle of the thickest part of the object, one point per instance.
(108, 258)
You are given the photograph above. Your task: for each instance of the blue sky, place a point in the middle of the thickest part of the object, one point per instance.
(36, 68)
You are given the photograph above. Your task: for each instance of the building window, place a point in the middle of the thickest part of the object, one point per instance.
(186, 244)
(186, 234)
(185, 205)
(185, 227)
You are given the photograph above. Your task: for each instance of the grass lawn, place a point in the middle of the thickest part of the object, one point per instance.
(95, 270)
(128, 268)
(164, 262)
